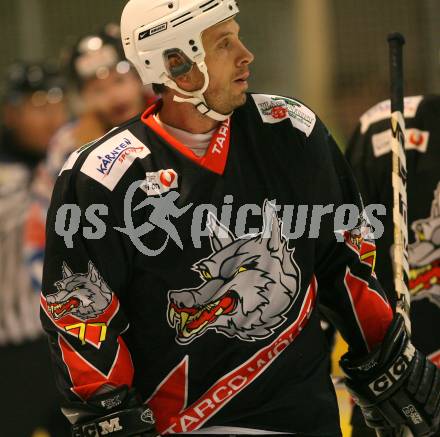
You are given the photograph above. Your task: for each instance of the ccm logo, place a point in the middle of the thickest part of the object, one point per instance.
(107, 427)
(153, 31)
(394, 373)
(110, 426)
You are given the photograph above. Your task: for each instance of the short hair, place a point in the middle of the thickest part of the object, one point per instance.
(159, 88)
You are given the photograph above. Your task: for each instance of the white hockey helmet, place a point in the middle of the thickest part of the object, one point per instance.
(156, 33)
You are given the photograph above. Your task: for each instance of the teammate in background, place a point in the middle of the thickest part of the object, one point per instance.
(106, 91)
(33, 108)
(210, 318)
(369, 154)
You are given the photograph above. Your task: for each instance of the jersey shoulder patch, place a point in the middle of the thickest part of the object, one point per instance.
(109, 161)
(382, 111)
(415, 139)
(274, 109)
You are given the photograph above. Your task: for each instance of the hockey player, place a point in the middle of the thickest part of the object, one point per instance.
(33, 108)
(106, 91)
(171, 287)
(369, 154)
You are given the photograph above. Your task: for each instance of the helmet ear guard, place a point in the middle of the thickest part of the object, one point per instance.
(163, 39)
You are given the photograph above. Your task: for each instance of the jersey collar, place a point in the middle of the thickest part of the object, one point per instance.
(217, 154)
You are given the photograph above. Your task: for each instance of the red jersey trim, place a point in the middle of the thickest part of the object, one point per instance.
(435, 358)
(372, 312)
(86, 378)
(217, 154)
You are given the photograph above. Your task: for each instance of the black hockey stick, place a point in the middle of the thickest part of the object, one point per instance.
(399, 178)
(399, 181)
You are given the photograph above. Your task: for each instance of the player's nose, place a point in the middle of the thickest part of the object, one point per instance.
(246, 56)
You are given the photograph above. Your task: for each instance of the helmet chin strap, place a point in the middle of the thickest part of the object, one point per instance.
(197, 98)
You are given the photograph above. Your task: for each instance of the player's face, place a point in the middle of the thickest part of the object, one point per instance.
(228, 63)
(115, 98)
(34, 121)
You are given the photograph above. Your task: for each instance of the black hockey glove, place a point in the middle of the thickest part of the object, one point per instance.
(118, 413)
(396, 386)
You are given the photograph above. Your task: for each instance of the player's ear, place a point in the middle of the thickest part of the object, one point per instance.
(183, 82)
(191, 81)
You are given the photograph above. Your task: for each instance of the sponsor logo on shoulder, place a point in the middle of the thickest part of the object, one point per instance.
(160, 182)
(153, 31)
(274, 109)
(414, 140)
(109, 162)
(382, 111)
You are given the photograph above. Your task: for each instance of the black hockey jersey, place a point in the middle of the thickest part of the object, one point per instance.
(369, 154)
(196, 280)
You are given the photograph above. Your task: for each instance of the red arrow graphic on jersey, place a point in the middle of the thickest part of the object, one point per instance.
(170, 398)
(372, 312)
(435, 358)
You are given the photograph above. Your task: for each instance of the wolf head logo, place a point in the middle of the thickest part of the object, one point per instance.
(84, 295)
(424, 255)
(249, 284)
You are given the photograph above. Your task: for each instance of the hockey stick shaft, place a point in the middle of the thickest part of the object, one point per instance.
(399, 182)
(399, 177)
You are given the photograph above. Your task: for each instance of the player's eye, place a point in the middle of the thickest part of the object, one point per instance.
(206, 275)
(225, 44)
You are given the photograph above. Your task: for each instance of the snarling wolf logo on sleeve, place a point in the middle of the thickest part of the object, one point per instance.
(249, 284)
(84, 295)
(424, 256)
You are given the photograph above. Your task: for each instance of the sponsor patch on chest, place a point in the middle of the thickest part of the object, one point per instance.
(108, 163)
(160, 182)
(274, 109)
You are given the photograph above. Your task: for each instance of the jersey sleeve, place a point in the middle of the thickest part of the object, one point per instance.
(350, 294)
(86, 271)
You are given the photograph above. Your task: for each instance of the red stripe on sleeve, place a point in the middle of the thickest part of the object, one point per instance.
(87, 379)
(373, 313)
